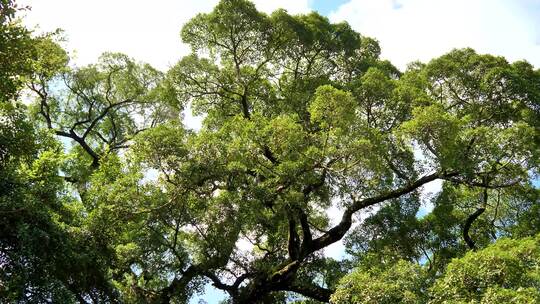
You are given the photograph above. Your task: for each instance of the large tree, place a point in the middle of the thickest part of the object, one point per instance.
(300, 116)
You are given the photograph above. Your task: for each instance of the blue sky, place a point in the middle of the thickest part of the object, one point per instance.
(325, 7)
(407, 30)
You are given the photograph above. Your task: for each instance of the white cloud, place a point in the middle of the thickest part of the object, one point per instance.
(336, 251)
(244, 245)
(147, 31)
(427, 193)
(292, 6)
(411, 30)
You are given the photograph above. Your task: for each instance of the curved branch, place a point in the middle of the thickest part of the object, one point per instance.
(217, 282)
(103, 114)
(337, 232)
(178, 286)
(470, 220)
(72, 135)
(468, 223)
(311, 290)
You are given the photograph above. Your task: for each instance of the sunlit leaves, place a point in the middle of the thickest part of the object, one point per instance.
(505, 270)
(438, 133)
(333, 108)
(234, 31)
(402, 282)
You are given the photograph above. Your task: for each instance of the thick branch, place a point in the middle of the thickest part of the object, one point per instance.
(269, 155)
(294, 242)
(245, 106)
(282, 279)
(470, 220)
(311, 290)
(468, 223)
(306, 230)
(338, 231)
(102, 115)
(178, 286)
(82, 143)
(218, 284)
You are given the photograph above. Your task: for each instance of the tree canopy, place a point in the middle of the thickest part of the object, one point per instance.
(106, 196)
(504, 272)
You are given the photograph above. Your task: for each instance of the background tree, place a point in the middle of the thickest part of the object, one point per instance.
(46, 253)
(400, 282)
(16, 50)
(99, 107)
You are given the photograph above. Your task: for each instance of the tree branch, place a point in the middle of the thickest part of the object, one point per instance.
(293, 242)
(311, 290)
(337, 232)
(178, 286)
(470, 220)
(102, 115)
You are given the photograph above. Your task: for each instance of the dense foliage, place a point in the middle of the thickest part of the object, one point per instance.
(107, 197)
(505, 272)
